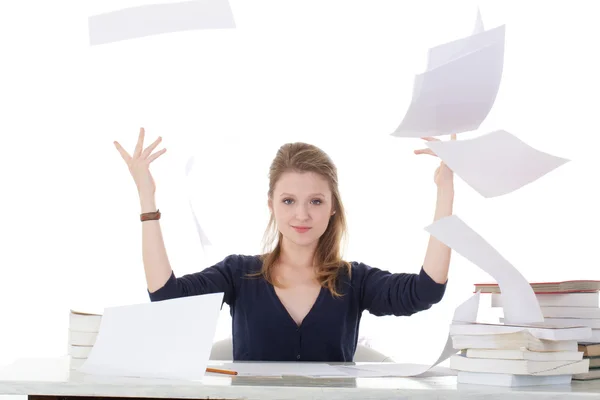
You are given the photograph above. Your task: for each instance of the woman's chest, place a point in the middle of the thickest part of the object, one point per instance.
(298, 300)
(263, 306)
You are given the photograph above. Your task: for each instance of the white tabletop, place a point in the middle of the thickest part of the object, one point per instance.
(52, 377)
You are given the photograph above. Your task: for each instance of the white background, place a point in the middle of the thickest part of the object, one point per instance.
(337, 74)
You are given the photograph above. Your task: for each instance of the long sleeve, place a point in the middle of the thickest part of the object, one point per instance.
(221, 277)
(385, 293)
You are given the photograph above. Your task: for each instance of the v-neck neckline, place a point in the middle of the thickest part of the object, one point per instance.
(285, 311)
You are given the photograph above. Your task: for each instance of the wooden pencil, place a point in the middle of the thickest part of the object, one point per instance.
(221, 371)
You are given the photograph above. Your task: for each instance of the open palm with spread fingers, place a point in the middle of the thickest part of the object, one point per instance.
(139, 163)
(443, 176)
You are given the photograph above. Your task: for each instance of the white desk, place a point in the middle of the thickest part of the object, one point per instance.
(50, 379)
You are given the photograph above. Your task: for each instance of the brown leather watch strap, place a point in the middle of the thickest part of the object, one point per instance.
(150, 216)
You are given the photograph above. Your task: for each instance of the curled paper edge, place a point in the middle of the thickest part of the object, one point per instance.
(466, 312)
(204, 241)
(500, 269)
(524, 307)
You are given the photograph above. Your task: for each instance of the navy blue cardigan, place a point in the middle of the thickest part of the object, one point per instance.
(264, 331)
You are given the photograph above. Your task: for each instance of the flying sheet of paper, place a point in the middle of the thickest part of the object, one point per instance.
(472, 90)
(203, 238)
(455, 97)
(444, 53)
(519, 302)
(478, 23)
(155, 19)
(170, 339)
(467, 312)
(189, 165)
(496, 163)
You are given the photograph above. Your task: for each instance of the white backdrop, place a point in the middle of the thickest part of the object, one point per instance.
(335, 73)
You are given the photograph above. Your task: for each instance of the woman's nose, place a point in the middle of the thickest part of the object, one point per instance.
(302, 212)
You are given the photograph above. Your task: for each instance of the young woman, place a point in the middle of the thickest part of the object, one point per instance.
(298, 300)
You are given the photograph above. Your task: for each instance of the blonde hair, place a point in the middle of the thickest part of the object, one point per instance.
(303, 157)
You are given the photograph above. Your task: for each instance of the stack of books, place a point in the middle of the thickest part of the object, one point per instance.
(83, 330)
(554, 351)
(566, 304)
(592, 353)
(517, 355)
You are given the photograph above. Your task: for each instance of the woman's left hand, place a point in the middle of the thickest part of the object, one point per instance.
(443, 176)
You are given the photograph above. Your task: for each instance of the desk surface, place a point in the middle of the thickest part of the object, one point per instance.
(52, 377)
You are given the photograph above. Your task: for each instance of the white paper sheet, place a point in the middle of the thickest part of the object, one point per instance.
(444, 53)
(284, 369)
(169, 339)
(395, 370)
(478, 23)
(467, 311)
(155, 19)
(519, 302)
(428, 117)
(203, 238)
(455, 97)
(539, 330)
(189, 165)
(496, 163)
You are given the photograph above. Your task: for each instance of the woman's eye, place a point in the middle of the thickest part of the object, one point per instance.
(317, 202)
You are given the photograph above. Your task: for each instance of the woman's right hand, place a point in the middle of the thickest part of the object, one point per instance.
(139, 164)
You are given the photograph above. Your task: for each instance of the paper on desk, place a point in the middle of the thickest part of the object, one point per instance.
(454, 97)
(496, 163)
(466, 312)
(154, 19)
(203, 238)
(518, 299)
(284, 369)
(170, 339)
(381, 370)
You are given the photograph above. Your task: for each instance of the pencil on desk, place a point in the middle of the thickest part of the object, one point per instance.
(221, 371)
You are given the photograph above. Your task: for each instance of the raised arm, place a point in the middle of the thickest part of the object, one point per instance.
(386, 293)
(221, 277)
(156, 263)
(154, 254)
(437, 257)
(160, 280)
(162, 283)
